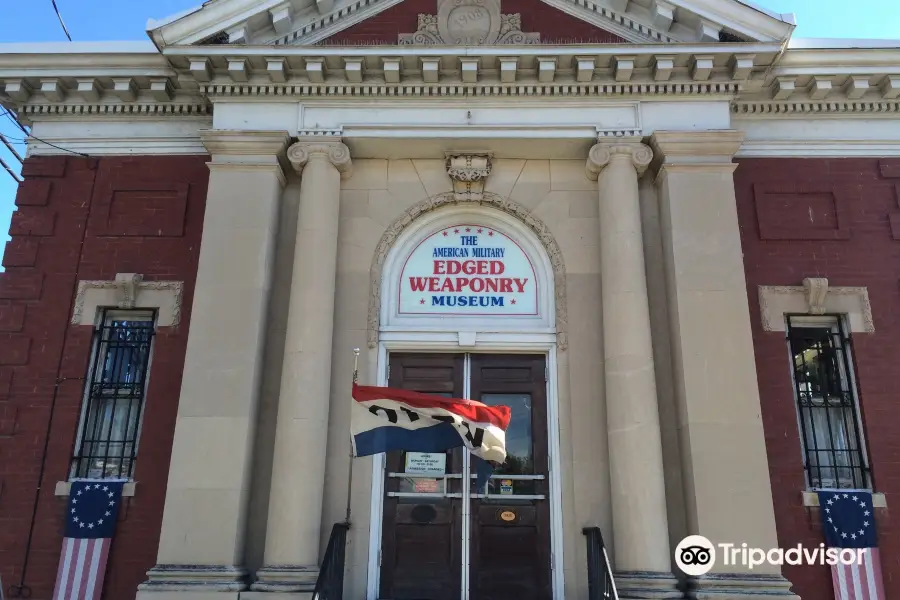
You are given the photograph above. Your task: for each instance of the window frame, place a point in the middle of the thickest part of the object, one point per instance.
(838, 324)
(104, 318)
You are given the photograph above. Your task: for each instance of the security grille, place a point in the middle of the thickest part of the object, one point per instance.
(829, 420)
(114, 395)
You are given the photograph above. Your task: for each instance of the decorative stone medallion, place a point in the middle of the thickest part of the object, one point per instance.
(469, 23)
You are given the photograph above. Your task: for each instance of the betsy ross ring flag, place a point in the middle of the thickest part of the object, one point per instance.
(386, 419)
(848, 521)
(91, 515)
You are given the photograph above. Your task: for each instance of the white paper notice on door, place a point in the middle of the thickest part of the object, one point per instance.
(426, 463)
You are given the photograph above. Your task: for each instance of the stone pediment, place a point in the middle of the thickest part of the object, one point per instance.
(468, 22)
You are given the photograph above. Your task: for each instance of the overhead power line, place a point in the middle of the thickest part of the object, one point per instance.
(61, 22)
(31, 136)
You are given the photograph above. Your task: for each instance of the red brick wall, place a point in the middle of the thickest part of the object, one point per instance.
(83, 219)
(838, 219)
(554, 25)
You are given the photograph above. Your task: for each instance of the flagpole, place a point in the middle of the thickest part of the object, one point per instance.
(350, 469)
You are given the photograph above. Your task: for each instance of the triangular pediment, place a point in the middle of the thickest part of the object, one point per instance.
(469, 22)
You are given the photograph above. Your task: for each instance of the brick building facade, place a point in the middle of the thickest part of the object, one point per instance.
(703, 212)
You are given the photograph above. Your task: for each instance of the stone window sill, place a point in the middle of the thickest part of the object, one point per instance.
(62, 488)
(812, 499)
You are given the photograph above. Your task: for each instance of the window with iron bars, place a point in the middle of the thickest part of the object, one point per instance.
(115, 391)
(830, 423)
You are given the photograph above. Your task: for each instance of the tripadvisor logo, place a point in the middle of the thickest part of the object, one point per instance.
(695, 555)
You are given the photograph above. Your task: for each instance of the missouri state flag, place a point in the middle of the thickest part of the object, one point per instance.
(386, 419)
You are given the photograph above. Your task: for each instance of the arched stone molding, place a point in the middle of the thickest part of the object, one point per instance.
(554, 254)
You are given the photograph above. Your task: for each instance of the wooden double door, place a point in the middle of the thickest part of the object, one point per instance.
(443, 539)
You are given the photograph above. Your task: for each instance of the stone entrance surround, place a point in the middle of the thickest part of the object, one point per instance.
(202, 550)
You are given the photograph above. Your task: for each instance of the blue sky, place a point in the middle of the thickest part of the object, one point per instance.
(93, 20)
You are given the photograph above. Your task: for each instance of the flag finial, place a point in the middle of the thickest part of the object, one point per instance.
(355, 364)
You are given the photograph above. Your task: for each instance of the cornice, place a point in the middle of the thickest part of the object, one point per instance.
(743, 19)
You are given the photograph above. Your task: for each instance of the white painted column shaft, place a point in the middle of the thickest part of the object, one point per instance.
(298, 470)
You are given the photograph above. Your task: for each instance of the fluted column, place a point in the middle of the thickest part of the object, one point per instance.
(201, 546)
(298, 470)
(640, 527)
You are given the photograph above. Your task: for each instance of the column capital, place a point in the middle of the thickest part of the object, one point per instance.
(331, 148)
(696, 148)
(603, 153)
(232, 142)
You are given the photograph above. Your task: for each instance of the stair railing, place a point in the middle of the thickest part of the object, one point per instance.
(330, 582)
(601, 585)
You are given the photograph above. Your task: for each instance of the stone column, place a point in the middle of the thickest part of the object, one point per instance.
(640, 527)
(728, 495)
(298, 470)
(201, 548)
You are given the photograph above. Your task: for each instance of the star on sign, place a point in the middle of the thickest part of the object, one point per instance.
(468, 229)
(456, 231)
(846, 495)
(90, 525)
(865, 523)
(490, 233)
(843, 535)
(480, 230)
(78, 493)
(828, 510)
(862, 504)
(75, 519)
(108, 514)
(829, 520)
(861, 532)
(445, 234)
(110, 494)
(866, 514)
(81, 525)
(831, 501)
(855, 498)
(105, 488)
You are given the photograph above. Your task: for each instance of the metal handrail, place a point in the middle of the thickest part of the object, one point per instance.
(601, 585)
(330, 582)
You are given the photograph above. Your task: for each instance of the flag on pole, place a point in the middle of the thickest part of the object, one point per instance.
(848, 520)
(91, 515)
(386, 419)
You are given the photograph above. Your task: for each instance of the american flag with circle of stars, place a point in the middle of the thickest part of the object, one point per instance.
(91, 515)
(848, 521)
